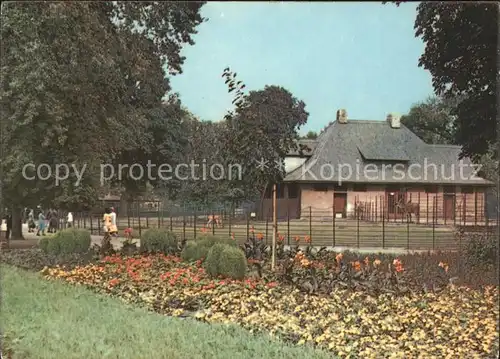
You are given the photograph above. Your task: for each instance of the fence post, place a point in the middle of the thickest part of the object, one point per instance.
(91, 225)
(171, 224)
(158, 213)
(267, 227)
(383, 222)
(333, 221)
(248, 227)
(85, 222)
(407, 232)
(139, 220)
(357, 229)
(288, 222)
(194, 223)
(475, 208)
(434, 212)
(229, 221)
(184, 228)
(147, 220)
(310, 223)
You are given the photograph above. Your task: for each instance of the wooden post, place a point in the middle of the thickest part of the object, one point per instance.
(275, 228)
(382, 208)
(333, 222)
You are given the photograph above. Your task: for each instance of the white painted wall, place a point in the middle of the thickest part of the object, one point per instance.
(292, 163)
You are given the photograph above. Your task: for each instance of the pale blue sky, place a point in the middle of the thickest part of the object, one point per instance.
(359, 56)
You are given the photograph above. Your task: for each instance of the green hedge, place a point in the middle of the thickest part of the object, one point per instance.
(227, 261)
(72, 240)
(196, 250)
(156, 240)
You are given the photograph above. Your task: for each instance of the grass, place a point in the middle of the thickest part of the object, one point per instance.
(387, 235)
(43, 319)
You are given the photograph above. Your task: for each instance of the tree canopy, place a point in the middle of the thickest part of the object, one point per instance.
(83, 83)
(461, 50)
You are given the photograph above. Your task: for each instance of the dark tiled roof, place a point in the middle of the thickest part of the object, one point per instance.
(343, 147)
(306, 148)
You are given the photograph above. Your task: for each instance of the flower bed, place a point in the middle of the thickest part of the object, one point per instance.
(370, 306)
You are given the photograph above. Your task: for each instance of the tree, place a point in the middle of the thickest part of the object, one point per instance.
(79, 82)
(432, 120)
(461, 54)
(311, 135)
(259, 133)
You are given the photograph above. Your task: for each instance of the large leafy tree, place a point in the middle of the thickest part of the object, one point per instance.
(261, 130)
(461, 54)
(432, 120)
(80, 82)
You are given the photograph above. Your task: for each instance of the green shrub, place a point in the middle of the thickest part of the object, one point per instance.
(232, 263)
(226, 260)
(196, 250)
(481, 250)
(159, 240)
(67, 241)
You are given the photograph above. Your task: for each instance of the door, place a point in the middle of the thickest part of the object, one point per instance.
(340, 204)
(449, 207)
(394, 197)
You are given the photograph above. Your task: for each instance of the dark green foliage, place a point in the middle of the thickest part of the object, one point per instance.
(227, 261)
(255, 248)
(461, 54)
(35, 259)
(213, 259)
(72, 240)
(160, 241)
(198, 250)
(233, 263)
(481, 250)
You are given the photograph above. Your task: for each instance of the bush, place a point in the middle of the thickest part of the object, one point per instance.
(213, 258)
(226, 260)
(159, 240)
(67, 241)
(196, 250)
(481, 250)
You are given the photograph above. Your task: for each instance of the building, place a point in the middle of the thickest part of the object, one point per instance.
(378, 170)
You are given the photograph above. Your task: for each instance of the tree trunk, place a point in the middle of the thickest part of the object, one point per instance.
(17, 224)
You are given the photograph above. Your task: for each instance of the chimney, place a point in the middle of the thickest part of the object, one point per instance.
(394, 120)
(342, 116)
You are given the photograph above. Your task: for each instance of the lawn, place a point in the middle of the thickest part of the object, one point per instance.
(43, 319)
(346, 233)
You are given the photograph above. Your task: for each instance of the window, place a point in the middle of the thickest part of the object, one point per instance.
(467, 189)
(293, 190)
(431, 189)
(280, 190)
(359, 187)
(321, 187)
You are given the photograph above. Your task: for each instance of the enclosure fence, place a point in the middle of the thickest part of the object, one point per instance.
(375, 225)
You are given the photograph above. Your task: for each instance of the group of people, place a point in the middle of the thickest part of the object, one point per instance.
(49, 221)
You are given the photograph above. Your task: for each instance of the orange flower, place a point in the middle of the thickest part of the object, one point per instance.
(339, 257)
(203, 230)
(376, 262)
(260, 236)
(281, 238)
(356, 265)
(232, 236)
(307, 239)
(297, 239)
(398, 265)
(305, 262)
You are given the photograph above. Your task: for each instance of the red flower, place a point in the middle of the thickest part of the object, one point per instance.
(272, 284)
(307, 239)
(260, 236)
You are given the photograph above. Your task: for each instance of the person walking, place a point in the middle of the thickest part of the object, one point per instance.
(8, 221)
(113, 227)
(41, 224)
(31, 222)
(69, 220)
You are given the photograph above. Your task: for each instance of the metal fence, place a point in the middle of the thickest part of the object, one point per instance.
(369, 228)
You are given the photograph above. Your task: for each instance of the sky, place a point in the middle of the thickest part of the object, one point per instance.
(362, 57)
